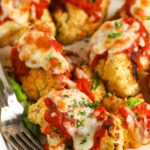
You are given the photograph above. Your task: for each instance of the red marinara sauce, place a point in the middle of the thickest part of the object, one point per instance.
(128, 4)
(59, 119)
(39, 7)
(91, 7)
(141, 111)
(19, 67)
(46, 146)
(142, 51)
(84, 86)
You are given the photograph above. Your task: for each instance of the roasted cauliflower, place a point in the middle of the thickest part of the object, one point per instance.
(73, 23)
(117, 51)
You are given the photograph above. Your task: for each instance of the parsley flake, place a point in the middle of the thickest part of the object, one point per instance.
(66, 96)
(75, 105)
(114, 35)
(79, 123)
(83, 113)
(49, 56)
(84, 66)
(92, 1)
(83, 141)
(133, 101)
(95, 82)
(92, 105)
(148, 17)
(72, 116)
(66, 148)
(118, 24)
(109, 94)
(60, 63)
(137, 115)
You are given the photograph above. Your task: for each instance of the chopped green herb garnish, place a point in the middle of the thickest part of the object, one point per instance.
(66, 148)
(148, 17)
(72, 116)
(81, 104)
(92, 1)
(83, 141)
(83, 113)
(137, 115)
(92, 105)
(95, 12)
(75, 105)
(7, 67)
(49, 56)
(79, 123)
(68, 54)
(133, 101)
(118, 24)
(60, 63)
(66, 96)
(84, 66)
(66, 116)
(137, 7)
(83, 98)
(113, 35)
(109, 94)
(95, 82)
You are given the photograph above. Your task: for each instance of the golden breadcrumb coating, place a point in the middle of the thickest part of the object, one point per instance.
(38, 83)
(112, 103)
(36, 113)
(120, 75)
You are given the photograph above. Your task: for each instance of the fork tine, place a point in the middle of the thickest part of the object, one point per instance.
(14, 143)
(25, 140)
(22, 142)
(32, 140)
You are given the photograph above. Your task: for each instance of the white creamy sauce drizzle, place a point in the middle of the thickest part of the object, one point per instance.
(36, 57)
(101, 43)
(146, 11)
(17, 10)
(83, 135)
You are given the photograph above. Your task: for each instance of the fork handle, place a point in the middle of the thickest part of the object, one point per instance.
(7, 88)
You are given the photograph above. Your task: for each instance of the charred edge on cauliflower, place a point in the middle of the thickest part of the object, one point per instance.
(134, 72)
(110, 126)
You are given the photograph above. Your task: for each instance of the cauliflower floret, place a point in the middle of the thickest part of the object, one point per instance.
(114, 139)
(96, 85)
(73, 24)
(46, 18)
(120, 75)
(109, 124)
(38, 83)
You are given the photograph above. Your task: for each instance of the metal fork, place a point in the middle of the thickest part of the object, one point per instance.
(12, 127)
